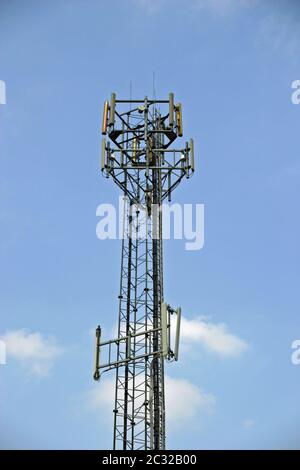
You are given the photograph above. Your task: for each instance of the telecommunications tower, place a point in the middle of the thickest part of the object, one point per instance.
(137, 155)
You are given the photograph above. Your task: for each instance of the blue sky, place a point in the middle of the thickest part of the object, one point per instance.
(231, 64)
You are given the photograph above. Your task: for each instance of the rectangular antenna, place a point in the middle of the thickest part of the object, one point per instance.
(112, 109)
(179, 120)
(103, 154)
(134, 149)
(187, 163)
(177, 333)
(104, 120)
(164, 329)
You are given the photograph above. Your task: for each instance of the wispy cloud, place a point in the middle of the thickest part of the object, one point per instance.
(215, 6)
(214, 337)
(278, 26)
(248, 423)
(32, 350)
(101, 397)
(279, 29)
(149, 6)
(184, 400)
(223, 6)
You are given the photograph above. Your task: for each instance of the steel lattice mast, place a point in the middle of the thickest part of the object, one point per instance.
(139, 159)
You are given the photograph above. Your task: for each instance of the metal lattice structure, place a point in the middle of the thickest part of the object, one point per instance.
(139, 158)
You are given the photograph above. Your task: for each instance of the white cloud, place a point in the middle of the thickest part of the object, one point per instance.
(277, 27)
(214, 337)
(32, 350)
(248, 423)
(101, 396)
(150, 6)
(184, 400)
(223, 6)
(215, 6)
(2, 92)
(279, 30)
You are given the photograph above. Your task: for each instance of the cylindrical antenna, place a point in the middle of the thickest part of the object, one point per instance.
(134, 149)
(179, 119)
(97, 353)
(128, 346)
(187, 163)
(169, 186)
(192, 155)
(171, 110)
(112, 109)
(104, 121)
(108, 160)
(103, 154)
